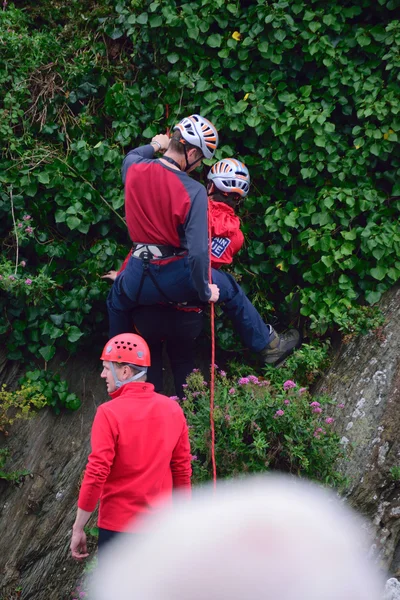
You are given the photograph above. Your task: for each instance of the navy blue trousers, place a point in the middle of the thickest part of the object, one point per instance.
(174, 279)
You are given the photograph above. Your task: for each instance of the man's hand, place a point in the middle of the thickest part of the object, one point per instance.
(214, 289)
(161, 142)
(110, 275)
(78, 544)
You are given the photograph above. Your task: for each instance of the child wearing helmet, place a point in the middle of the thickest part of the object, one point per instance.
(229, 183)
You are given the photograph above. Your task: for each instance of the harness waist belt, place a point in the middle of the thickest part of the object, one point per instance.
(156, 252)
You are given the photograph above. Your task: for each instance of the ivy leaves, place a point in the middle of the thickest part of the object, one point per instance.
(306, 95)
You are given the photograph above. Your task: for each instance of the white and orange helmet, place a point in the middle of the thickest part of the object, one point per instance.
(199, 132)
(230, 176)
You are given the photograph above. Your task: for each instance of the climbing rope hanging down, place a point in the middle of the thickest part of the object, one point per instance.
(212, 382)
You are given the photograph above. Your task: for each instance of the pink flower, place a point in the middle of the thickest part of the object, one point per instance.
(329, 420)
(318, 432)
(27, 217)
(279, 413)
(222, 373)
(205, 383)
(195, 394)
(264, 383)
(243, 380)
(184, 385)
(314, 404)
(184, 398)
(227, 418)
(286, 402)
(29, 230)
(28, 281)
(190, 426)
(215, 366)
(20, 225)
(289, 384)
(196, 371)
(231, 391)
(253, 378)
(1, 276)
(194, 457)
(11, 277)
(317, 410)
(302, 390)
(174, 398)
(22, 263)
(341, 405)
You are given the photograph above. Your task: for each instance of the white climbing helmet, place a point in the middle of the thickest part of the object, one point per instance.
(230, 176)
(199, 132)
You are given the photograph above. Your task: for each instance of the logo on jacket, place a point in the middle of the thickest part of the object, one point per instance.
(219, 245)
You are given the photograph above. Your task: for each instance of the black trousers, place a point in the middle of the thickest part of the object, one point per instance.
(178, 330)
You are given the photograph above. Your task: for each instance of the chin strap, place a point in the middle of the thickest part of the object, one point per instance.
(188, 164)
(119, 383)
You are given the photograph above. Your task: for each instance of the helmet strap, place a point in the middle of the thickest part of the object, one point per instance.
(119, 383)
(188, 164)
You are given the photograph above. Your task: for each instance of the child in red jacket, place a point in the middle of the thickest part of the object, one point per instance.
(229, 182)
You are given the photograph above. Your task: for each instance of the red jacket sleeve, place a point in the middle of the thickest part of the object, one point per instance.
(181, 461)
(103, 441)
(123, 266)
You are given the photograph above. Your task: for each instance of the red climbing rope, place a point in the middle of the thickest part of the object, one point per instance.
(212, 382)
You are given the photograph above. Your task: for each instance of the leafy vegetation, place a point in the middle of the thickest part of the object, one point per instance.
(304, 92)
(16, 477)
(260, 425)
(36, 390)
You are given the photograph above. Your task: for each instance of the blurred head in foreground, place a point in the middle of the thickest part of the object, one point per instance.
(267, 538)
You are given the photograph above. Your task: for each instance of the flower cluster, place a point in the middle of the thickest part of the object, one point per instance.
(289, 384)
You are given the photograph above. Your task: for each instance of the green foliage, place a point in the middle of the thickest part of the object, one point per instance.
(260, 426)
(305, 93)
(37, 389)
(16, 477)
(52, 389)
(395, 473)
(305, 365)
(20, 404)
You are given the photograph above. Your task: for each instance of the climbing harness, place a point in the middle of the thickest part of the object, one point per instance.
(148, 253)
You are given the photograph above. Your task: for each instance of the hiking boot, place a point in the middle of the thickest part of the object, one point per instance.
(280, 346)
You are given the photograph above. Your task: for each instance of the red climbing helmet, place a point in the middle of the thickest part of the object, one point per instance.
(127, 348)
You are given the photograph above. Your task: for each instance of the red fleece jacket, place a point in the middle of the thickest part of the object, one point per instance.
(140, 452)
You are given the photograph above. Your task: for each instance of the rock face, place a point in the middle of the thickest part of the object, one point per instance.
(36, 518)
(365, 377)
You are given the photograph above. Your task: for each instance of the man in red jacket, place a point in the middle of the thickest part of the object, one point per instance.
(140, 447)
